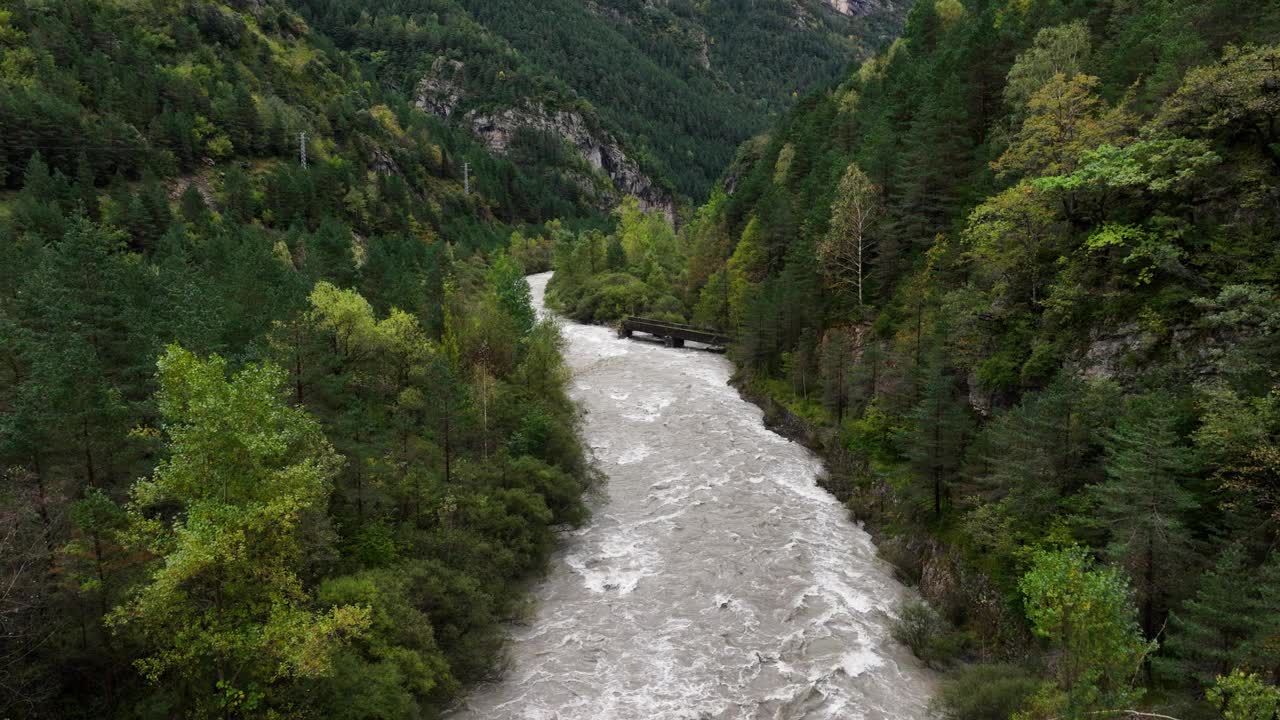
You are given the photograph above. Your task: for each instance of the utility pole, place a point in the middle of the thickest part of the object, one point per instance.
(302, 148)
(466, 177)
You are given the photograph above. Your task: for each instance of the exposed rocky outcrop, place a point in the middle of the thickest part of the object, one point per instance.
(201, 183)
(1111, 350)
(442, 93)
(860, 8)
(1119, 352)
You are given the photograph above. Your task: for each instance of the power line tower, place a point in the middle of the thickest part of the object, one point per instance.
(302, 148)
(466, 177)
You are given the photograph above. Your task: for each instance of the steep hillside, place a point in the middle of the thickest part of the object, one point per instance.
(1018, 278)
(280, 436)
(665, 89)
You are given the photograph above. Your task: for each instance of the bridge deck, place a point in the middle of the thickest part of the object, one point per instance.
(674, 334)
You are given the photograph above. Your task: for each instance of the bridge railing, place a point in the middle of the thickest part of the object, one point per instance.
(677, 332)
(664, 323)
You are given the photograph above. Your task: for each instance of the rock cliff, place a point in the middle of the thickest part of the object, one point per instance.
(860, 8)
(442, 93)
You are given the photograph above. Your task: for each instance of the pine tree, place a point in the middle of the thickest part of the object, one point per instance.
(191, 206)
(941, 425)
(836, 366)
(1041, 451)
(1208, 635)
(1144, 502)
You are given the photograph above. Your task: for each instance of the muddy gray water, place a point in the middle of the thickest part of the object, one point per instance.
(715, 578)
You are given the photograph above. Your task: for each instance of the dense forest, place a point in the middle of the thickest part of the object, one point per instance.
(683, 83)
(1016, 278)
(280, 435)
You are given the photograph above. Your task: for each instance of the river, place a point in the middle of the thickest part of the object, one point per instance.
(715, 578)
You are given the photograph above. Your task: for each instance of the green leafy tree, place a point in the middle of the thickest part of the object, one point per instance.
(224, 615)
(1244, 696)
(1087, 615)
(1013, 239)
(1065, 118)
(506, 280)
(395, 670)
(744, 272)
(1062, 49)
(1235, 98)
(1240, 438)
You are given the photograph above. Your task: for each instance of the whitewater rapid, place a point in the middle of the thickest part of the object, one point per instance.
(715, 578)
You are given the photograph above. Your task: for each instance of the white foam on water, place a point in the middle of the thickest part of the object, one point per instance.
(856, 662)
(715, 581)
(633, 454)
(616, 562)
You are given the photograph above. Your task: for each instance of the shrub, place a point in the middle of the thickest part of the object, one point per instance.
(611, 297)
(929, 636)
(983, 692)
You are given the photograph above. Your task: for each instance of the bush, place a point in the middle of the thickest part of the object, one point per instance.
(929, 636)
(667, 307)
(984, 692)
(605, 298)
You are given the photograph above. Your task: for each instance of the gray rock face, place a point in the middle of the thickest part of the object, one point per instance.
(442, 92)
(1110, 350)
(859, 8)
(598, 148)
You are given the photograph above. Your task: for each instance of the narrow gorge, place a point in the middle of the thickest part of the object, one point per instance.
(715, 578)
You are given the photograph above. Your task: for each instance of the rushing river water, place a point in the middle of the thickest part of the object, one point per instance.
(715, 578)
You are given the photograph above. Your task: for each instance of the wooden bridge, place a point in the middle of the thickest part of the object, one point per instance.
(673, 334)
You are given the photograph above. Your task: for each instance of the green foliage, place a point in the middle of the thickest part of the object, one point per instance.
(984, 692)
(1075, 207)
(1145, 504)
(1010, 238)
(845, 254)
(927, 634)
(396, 665)
(681, 84)
(1244, 696)
(506, 278)
(225, 614)
(156, 197)
(940, 425)
(1087, 614)
(1063, 49)
(629, 272)
(1229, 623)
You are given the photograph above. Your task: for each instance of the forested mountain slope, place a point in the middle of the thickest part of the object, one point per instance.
(1019, 278)
(675, 86)
(279, 435)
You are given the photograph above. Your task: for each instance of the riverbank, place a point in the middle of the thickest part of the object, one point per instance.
(922, 555)
(714, 578)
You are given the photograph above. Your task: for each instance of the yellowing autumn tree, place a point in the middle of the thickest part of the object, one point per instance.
(845, 252)
(224, 616)
(1066, 118)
